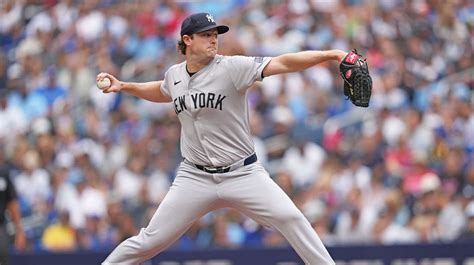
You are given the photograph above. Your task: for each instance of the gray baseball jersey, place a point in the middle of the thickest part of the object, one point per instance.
(212, 108)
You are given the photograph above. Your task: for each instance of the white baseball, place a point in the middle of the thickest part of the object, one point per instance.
(103, 83)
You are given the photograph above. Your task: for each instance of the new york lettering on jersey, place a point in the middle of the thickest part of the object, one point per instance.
(198, 101)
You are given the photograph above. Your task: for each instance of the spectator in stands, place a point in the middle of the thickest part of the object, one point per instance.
(12, 119)
(96, 234)
(33, 183)
(30, 103)
(393, 227)
(61, 235)
(355, 221)
(468, 233)
(129, 181)
(303, 159)
(52, 92)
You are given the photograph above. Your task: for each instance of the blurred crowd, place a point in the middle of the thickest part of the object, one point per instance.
(90, 169)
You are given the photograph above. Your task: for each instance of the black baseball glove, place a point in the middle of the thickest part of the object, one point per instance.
(357, 80)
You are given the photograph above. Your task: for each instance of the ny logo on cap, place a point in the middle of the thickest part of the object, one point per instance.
(210, 18)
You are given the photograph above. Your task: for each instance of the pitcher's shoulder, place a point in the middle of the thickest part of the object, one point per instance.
(235, 58)
(227, 59)
(177, 67)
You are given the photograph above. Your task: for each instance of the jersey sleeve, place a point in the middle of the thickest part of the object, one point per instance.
(164, 86)
(244, 70)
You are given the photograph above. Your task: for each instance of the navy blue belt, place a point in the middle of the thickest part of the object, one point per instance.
(213, 170)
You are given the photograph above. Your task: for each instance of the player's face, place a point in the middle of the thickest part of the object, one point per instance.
(205, 43)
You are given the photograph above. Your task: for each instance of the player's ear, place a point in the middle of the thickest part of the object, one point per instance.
(187, 39)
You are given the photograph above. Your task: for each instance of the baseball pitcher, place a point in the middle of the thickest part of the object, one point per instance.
(220, 169)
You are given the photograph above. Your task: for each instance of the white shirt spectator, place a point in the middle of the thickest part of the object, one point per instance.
(451, 221)
(347, 232)
(34, 186)
(422, 138)
(291, 41)
(158, 185)
(117, 26)
(91, 26)
(292, 83)
(92, 148)
(12, 122)
(116, 157)
(321, 77)
(325, 6)
(41, 22)
(93, 202)
(65, 15)
(469, 132)
(10, 18)
(342, 183)
(360, 175)
(393, 98)
(299, 7)
(396, 234)
(392, 129)
(67, 198)
(128, 185)
(303, 167)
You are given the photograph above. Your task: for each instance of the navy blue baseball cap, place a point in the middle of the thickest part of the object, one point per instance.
(201, 22)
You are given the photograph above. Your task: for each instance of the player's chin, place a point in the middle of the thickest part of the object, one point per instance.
(211, 52)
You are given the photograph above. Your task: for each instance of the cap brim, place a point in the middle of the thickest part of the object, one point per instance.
(221, 29)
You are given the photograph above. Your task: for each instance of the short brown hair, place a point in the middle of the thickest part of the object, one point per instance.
(182, 46)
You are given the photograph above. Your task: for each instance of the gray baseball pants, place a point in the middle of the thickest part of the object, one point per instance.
(248, 189)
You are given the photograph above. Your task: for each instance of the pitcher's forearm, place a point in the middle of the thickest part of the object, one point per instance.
(294, 62)
(149, 91)
(305, 59)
